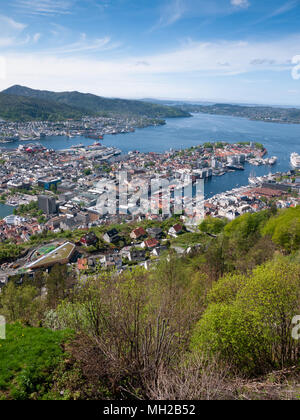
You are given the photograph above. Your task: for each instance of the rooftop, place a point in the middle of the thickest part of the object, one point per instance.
(58, 255)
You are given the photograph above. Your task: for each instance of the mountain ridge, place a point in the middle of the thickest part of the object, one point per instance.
(89, 104)
(21, 108)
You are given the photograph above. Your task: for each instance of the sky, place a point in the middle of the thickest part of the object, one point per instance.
(242, 51)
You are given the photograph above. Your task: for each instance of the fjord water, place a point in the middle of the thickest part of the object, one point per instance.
(279, 139)
(5, 210)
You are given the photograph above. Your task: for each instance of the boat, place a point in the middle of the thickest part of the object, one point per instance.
(235, 167)
(295, 160)
(94, 136)
(273, 160)
(77, 146)
(255, 180)
(252, 179)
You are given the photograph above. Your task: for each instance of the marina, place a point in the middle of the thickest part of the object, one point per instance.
(280, 140)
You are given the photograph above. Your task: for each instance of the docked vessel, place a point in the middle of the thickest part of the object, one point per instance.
(94, 136)
(272, 160)
(295, 160)
(255, 180)
(235, 167)
(77, 146)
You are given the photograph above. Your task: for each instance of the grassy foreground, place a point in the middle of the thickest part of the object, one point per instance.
(28, 358)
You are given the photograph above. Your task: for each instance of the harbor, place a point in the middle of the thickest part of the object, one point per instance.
(180, 133)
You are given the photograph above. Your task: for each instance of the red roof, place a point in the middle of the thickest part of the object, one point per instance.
(151, 243)
(82, 264)
(139, 232)
(177, 228)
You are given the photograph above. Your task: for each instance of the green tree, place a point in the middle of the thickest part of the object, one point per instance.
(59, 283)
(248, 321)
(284, 229)
(17, 303)
(212, 225)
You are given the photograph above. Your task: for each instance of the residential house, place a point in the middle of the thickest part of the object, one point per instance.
(89, 239)
(111, 236)
(138, 233)
(137, 255)
(155, 233)
(159, 250)
(150, 243)
(176, 230)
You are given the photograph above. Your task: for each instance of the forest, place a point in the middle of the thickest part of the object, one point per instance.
(212, 324)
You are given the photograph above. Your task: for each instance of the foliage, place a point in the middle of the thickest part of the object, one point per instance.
(34, 104)
(17, 304)
(19, 108)
(36, 354)
(284, 229)
(28, 209)
(183, 328)
(9, 252)
(249, 319)
(212, 225)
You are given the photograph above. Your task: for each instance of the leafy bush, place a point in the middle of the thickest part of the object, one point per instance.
(249, 319)
(284, 229)
(212, 225)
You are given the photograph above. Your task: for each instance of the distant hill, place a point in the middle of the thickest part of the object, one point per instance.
(86, 103)
(20, 108)
(255, 112)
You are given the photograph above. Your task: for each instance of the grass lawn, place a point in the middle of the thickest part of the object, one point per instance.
(189, 239)
(28, 358)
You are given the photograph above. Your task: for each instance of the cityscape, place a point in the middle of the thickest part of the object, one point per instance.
(69, 191)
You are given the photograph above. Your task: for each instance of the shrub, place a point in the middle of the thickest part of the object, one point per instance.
(249, 320)
(284, 229)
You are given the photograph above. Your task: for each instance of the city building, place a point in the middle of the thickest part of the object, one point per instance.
(47, 204)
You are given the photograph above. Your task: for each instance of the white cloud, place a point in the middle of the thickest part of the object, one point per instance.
(170, 13)
(36, 37)
(286, 7)
(44, 7)
(10, 32)
(83, 45)
(160, 73)
(173, 11)
(10, 26)
(240, 3)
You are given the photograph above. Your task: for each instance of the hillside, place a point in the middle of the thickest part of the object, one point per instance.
(215, 323)
(259, 113)
(91, 104)
(19, 108)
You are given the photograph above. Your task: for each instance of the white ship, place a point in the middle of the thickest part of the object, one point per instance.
(255, 180)
(272, 160)
(295, 160)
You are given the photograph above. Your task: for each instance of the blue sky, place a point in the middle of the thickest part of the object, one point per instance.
(217, 50)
